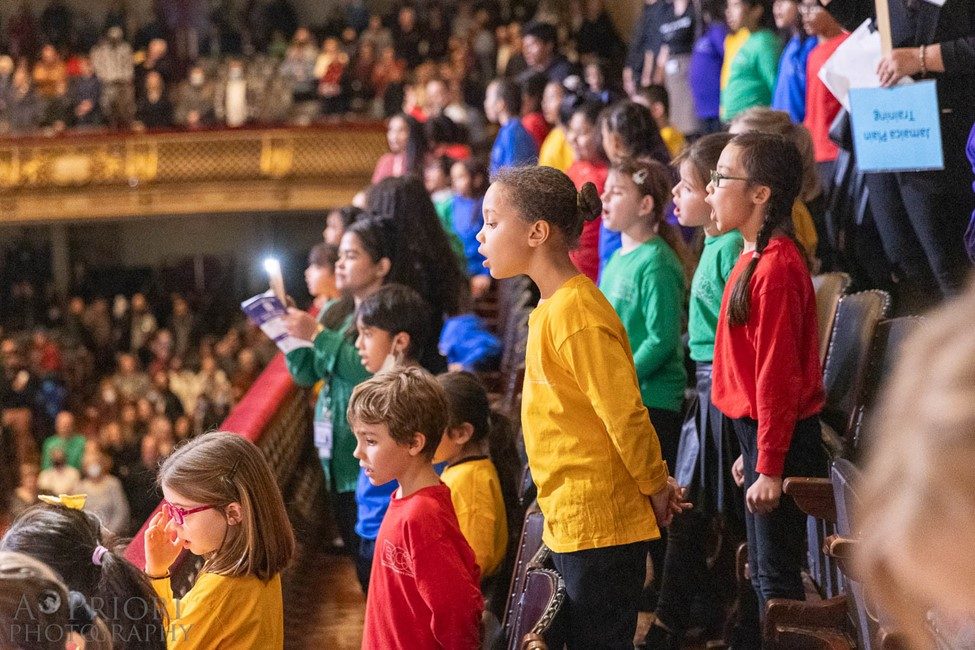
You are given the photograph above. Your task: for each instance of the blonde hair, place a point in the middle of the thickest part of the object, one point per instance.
(762, 119)
(408, 401)
(918, 489)
(35, 607)
(218, 469)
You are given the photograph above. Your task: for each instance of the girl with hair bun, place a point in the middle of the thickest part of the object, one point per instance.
(603, 486)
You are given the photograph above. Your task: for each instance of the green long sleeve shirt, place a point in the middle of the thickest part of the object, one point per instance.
(751, 80)
(335, 360)
(646, 288)
(707, 288)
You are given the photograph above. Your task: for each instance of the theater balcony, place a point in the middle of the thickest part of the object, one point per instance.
(111, 176)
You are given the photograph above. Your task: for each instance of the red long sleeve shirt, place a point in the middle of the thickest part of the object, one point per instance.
(424, 587)
(769, 369)
(586, 255)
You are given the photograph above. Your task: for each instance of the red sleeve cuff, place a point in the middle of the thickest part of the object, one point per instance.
(771, 462)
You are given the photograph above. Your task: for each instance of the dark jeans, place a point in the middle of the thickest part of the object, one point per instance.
(777, 540)
(345, 512)
(363, 562)
(603, 586)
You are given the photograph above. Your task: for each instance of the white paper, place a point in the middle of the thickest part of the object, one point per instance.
(267, 312)
(854, 64)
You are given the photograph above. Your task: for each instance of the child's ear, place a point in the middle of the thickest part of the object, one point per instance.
(538, 233)
(234, 514)
(400, 344)
(657, 110)
(646, 204)
(417, 444)
(385, 264)
(461, 434)
(761, 194)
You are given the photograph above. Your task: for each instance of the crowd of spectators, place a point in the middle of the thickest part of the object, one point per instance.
(259, 65)
(101, 391)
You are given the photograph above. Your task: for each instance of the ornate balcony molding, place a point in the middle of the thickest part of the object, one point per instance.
(83, 177)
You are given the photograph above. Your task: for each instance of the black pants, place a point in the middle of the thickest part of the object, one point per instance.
(931, 208)
(603, 587)
(777, 540)
(363, 562)
(708, 447)
(344, 509)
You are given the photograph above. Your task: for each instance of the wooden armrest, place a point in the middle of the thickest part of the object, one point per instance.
(781, 613)
(814, 496)
(532, 641)
(841, 549)
(811, 639)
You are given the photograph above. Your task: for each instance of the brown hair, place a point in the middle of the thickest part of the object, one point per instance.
(408, 401)
(221, 468)
(772, 161)
(917, 492)
(324, 255)
(652, 179)
(761, 119)
(547, 194)
(703, 155)
(37, 610)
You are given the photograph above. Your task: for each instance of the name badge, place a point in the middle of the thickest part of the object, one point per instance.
(323, 435)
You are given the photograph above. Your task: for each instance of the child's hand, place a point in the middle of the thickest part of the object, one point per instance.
(668, 501)
(161, 545)
(763, 496)
(738, 471)
(300, 324)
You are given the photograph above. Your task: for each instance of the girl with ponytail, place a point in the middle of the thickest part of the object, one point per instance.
(90, 561)
(603, 486)
(482, 470)
(767, 376)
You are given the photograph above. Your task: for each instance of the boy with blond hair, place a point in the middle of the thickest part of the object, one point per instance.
(424, 588)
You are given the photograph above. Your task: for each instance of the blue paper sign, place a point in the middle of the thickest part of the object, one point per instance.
(897, 129)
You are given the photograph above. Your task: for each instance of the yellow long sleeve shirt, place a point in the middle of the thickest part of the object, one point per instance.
(224, 612)
(593, 453)
(555, 151)
(475, 491)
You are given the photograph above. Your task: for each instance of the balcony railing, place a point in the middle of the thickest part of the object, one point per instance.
(114, 175)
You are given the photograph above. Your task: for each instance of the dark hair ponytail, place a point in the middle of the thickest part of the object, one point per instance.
(468, 402)
(773, 161)
(66, 540)
(541, 193)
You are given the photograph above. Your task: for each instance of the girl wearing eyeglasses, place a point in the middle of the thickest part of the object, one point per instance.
(767, 376)
(221, 502)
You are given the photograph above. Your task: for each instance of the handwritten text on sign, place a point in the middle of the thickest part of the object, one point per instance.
(897, 129)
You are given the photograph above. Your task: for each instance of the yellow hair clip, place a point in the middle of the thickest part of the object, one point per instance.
(72, 501)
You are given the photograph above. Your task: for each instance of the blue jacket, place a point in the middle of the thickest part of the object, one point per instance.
(513, 147)
(466, 221)
(790, 87)
(464, 340)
